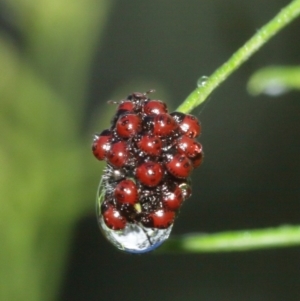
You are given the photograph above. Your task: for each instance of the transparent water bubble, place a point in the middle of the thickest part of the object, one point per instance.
(201, 82)
(134, 238)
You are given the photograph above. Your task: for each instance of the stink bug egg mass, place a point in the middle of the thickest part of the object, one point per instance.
(149, 156)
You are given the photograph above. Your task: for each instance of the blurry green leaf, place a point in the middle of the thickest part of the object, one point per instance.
(61, 40)
(274, 80)
(42, 166)
(45, 160)
(232, 241)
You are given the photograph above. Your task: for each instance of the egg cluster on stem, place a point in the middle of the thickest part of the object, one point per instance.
(150, 155)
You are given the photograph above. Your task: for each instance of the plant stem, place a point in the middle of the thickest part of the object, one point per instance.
(283, 18)
(283, 236)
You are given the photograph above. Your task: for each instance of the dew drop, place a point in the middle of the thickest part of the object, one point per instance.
(134, 238)
(201, 82)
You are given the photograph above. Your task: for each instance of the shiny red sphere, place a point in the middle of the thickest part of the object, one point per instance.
(188, 146)
(197, 161)
(180, 166)
(155, 107)
(149, 173)
(150, 144)
(126, 105)
(164, 125)
(128, 125)
(126, 192)
(118, 154)
(113, 218)
(160, 219)
(101, 144)
(190, 126)
(173, 199)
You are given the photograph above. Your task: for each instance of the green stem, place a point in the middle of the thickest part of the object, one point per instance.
(284, 236)
(283, 18)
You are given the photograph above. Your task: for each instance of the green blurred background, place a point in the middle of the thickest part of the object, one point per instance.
(60, 61)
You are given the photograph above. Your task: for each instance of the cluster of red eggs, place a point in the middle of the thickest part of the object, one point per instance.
(150, 155)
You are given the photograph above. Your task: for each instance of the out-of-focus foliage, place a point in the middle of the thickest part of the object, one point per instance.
(274, 80)
(44, 166)
(233, 241)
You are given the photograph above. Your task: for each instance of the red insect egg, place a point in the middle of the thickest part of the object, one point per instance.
(113, 218)
(188, 146)
(179, 166)
(197, 161)
(126, 192)
(173, 199)
(128, 125)
(163, 125)
(155, 107)
(190, 126)
(150, 144)
(126, 105)
(149, 173)
(160, 219)
(118, 154)
(101, 144)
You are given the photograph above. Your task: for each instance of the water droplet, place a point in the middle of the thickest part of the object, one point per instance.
(202, 81)
(134, 238)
